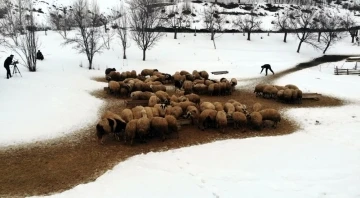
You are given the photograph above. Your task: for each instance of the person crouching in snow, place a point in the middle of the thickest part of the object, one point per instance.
(39, 55)
(266, 66)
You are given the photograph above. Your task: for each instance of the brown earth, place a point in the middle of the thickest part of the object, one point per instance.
(53, 166)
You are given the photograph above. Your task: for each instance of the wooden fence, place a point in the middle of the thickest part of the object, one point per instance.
(338, 71)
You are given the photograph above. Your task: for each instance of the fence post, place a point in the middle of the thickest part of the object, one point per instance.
(336, 70)
(347, 71)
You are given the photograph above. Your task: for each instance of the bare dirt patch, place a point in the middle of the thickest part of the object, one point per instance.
(43, 168)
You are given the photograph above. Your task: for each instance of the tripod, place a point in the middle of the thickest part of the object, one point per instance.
(16, 69)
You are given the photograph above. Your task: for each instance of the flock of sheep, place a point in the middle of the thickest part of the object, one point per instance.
(288, 93)
(151, 80)
(161, 115)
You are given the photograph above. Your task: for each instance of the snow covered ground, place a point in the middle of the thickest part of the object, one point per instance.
(55, 100)
(319, 160)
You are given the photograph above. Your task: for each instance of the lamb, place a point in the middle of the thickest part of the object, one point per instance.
(153, 100)
(156, 88)
(127, 115)
(207, 105)
(159, 125)
(163, 96)
(193, 98)
(257, 107)
(143, 125)
(172, 124)
(130, 131)
(204, 74)
(187, 86)
(114, 87)
(255, 119)
(110, 123)
(272, 115)
(229, 108)
(221, 120)
(290, 86)
(206, 118)
(239, 119)
(137, 112)
(259, 89)
(218, 106)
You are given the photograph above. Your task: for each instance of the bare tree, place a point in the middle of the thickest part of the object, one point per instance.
(121, 25)
(88, 32)
(349, 24)
(302, 21)
(214, 21)
(61, 19)
(249, 23)
(282, 23)
(26, 44)
(178, 17)
(329, 23)
(144, 18)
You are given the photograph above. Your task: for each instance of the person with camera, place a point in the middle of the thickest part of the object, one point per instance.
(7, 64)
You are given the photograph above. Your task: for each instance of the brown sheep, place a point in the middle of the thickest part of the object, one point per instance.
(174, 98)
(255, 119)
(153, 100)
(114, 87)
(155, 112)
(137, 112)
(183, 99)
(259, 89)
(206, 118)
(133, 74)
(185, 104)
(113, 75)
(204, 74)
(218, 106)
(163, 96)
(221, 121)
(127, 115)
(187, 86)
(149, 112)
(257, 107)
(229, 108)
(290, 86)
(143, 126)
(299, 96)
(193, 98)
(239, 119)
(148, 72)
(272, 115)
(172, 124)
(159, 125)
(207, 105)
(193, 113)
(196, 74)
(156, 88)
(183, 72)
(270, 91)
(130, 131)
(109, 123)
(161, 109)
(176, 111)
(200, 88)
(287, 95)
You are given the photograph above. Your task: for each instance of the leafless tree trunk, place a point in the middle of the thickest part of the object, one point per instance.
(12, 23)
(144, 17)
(249, 23)
(302, 21)
(330, 22)
(282, 23)
(213, 21)
(88, 36)
(349, 23)
(24, 46)
(178, 17)
(122, 27)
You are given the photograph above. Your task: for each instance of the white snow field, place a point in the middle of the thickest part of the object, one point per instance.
(55, 100)
(319, 160)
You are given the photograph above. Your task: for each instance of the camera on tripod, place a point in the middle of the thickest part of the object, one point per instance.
(15, 62)
(15, 68)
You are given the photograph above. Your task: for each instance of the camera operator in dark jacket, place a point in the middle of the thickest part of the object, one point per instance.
(7, 64)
